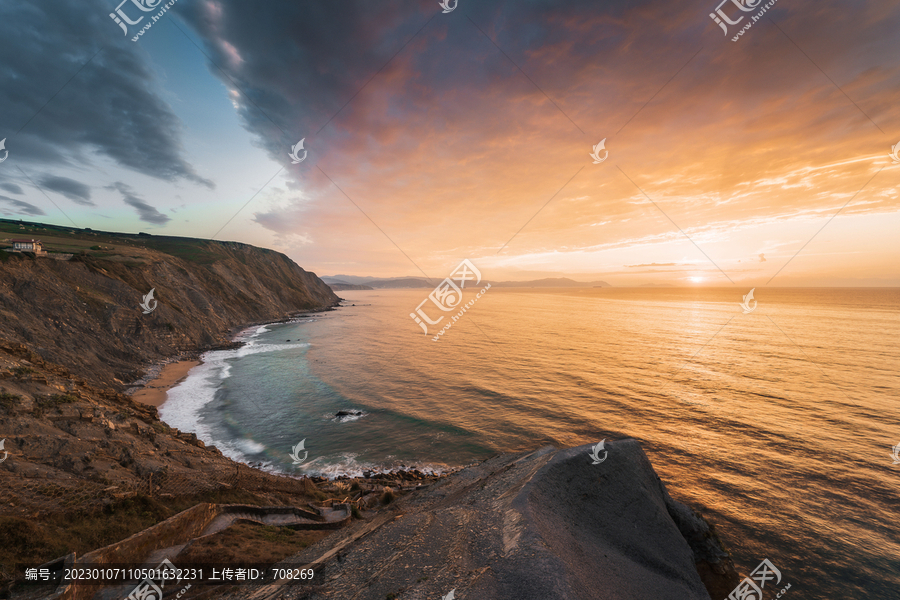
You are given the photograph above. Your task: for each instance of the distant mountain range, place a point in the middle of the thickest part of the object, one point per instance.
(353, 282)
(340, 286)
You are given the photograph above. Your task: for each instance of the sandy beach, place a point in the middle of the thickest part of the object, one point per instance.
(155, 392)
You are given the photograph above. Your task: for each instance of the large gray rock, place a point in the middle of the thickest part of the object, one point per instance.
(543, 525)
(593, 532)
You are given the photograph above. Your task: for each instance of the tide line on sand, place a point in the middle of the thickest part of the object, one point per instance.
(155, 392)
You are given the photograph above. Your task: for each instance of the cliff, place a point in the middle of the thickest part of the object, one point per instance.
(85, 313)
(82, 467)
(81, 464)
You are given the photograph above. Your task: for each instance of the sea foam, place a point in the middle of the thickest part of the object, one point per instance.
(186, 400)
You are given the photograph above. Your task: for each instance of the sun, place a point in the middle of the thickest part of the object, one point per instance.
(695, 279)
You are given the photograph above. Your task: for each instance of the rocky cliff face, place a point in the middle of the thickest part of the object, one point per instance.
(76, 454)
(85, 313)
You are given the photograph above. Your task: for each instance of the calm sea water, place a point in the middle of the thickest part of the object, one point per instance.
(777, 424)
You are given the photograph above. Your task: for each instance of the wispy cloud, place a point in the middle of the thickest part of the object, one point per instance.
(451, 146)
(12, 188)
(71, 189)
(112, 107)
(658, 265)
(21, 208)
(146, 213)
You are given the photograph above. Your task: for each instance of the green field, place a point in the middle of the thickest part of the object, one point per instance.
(110, 245)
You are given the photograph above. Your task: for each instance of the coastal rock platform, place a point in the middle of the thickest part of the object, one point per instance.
(541, 525)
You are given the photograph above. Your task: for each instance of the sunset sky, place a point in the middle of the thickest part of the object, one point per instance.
(435, 137)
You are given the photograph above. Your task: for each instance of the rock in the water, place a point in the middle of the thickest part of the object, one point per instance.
(348, 413)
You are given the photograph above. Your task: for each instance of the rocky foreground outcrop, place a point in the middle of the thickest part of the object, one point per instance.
(543, 525)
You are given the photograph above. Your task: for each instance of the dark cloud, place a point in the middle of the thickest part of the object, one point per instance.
(146, 213)
(71, 189)
(75, 99)
(310, 61)
(409, 91)
(440, 138)
(325, 63)
(22, 208)
(11, 188)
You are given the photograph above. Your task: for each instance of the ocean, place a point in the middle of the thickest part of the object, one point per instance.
(777, 424)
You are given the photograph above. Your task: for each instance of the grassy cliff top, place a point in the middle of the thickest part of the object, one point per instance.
(107, 244)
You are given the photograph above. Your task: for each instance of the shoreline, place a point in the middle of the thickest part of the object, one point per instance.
(161, 377)
(153, 388)
(155, 391)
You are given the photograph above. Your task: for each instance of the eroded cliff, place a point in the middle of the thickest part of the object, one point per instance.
(85, 313)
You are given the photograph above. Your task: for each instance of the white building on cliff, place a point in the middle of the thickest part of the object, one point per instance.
(28, 246)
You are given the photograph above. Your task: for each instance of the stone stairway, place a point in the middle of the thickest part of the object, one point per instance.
(178, 533)
(296, 518)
